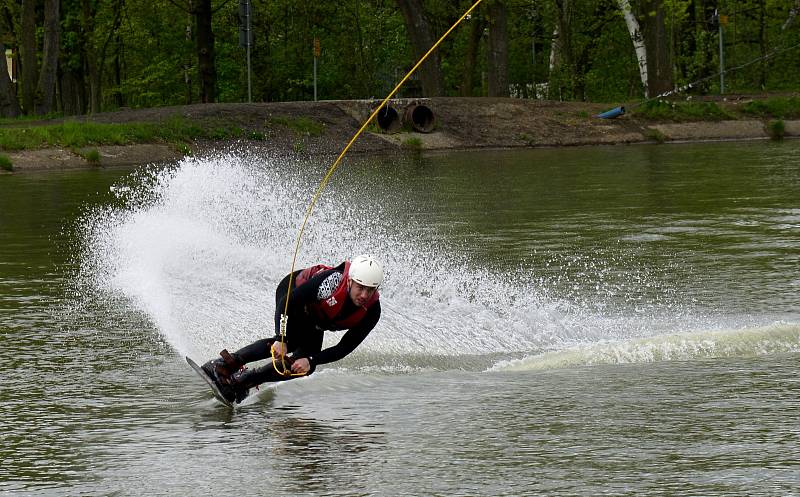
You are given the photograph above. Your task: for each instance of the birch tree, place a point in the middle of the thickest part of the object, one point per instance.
(638, 40)
(9, 105)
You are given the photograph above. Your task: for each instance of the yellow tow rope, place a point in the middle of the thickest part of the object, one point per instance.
(283, 370)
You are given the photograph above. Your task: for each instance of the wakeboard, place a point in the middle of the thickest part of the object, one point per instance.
(204, 376)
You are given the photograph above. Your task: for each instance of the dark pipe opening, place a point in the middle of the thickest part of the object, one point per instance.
(420, 117)
(389, 120)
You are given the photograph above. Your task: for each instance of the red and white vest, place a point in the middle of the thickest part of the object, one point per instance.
(329, 309)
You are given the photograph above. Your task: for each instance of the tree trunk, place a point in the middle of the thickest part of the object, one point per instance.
(46, 92)
(555, 53)
(100, 58)
(362, 67)
(187, 65)
(561, 56)
(471, 59)
(9, 105)
(498, 50)
(119, 98)
(90, 52)
(72, 93)
(419, 31)
(206, 64)
(27, 54)
(582, 55)
(704, 49)
(762, 41)
(792, 15)
(659, 70)
(638, 41)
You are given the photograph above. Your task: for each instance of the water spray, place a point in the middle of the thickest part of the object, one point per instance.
(284, 317)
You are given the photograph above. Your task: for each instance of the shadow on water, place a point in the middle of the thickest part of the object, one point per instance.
(320, 455)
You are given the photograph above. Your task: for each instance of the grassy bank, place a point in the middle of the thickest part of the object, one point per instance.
(667, 110)
(321, 127)
(74, 134)
(24, 134)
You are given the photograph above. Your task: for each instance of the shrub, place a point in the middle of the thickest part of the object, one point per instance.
(5, 163)
(654, 135)
(92, 156)
(412, 143)
(776, 130)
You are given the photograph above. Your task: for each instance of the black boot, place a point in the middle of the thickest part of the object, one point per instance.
(244, 380)
(222, 370)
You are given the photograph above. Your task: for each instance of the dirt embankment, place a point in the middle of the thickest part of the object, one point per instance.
(324, 128)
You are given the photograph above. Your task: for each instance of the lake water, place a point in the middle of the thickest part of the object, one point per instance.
(586, 321)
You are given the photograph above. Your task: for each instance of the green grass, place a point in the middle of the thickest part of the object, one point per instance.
(776, 130)
(300, 125)
(221, 132)
(28, 118)
(5, 163)
(526, 138)
(778, 107)
(664, 110)
(92, 156)
(73, 134)
(654, 135)
(412, 143)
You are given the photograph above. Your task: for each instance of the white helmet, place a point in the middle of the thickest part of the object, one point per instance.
(365, 270)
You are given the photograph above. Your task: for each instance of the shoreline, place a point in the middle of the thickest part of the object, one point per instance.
(311, 129)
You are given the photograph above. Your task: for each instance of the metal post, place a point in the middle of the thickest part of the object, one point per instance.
(245, 40)
(721, 54)
(534, 18)
(317, 51)
(533, 64)
(249, 37)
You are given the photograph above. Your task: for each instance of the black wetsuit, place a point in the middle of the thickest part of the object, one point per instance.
(304, 330)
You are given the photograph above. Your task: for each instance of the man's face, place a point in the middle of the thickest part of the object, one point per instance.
(360, 294)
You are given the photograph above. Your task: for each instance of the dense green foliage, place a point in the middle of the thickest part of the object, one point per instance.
(138, 53)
